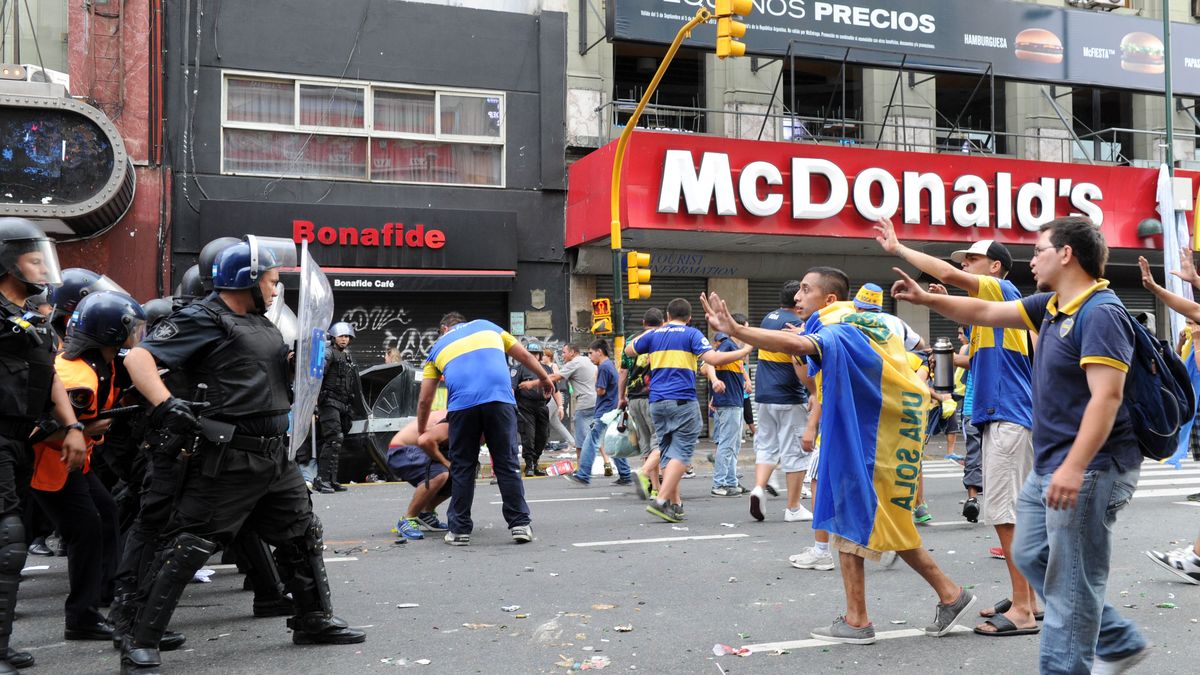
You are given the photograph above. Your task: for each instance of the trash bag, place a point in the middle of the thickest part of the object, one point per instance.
(620, 436)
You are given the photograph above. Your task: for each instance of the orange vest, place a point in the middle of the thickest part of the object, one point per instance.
(49, 472)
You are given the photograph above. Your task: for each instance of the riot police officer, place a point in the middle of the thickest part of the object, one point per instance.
(341, 393)
(77, 284)
(29, 388)
(240, 472)
(80, 505)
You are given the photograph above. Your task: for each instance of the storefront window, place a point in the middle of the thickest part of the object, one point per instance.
(969, 118)
(1103, 121)
(353, 130)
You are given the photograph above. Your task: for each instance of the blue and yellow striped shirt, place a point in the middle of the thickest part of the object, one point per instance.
(673, 350)
(472, 358)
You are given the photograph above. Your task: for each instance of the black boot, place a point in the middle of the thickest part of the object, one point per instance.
(12, 560)
(318, 628)
(303, 568)
(338, 487)
(319, 485)
(529, 471)
(140, 649)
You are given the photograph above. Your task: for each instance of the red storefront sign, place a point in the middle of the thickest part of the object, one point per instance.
(712, 184)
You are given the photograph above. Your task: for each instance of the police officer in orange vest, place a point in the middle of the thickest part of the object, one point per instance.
(29, 389)
(81, 507)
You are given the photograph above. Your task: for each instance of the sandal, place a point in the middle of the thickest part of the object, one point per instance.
(1005, 628)
(1005, 605)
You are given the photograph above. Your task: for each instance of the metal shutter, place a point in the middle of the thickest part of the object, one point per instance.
(665, 289)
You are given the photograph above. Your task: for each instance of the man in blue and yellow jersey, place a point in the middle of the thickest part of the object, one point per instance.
(780, 409)
(1002, 408)
(727, 383)
(872, 426)
(470, 355)
(674, 349)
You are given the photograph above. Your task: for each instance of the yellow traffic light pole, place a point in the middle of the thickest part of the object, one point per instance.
(702, 16)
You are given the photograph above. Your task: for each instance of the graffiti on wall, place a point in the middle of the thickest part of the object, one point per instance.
(383, 328)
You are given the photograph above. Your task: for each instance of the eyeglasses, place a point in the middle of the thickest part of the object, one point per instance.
(1037, 250)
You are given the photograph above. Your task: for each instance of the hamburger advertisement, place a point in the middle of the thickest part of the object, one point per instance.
(1019, 41)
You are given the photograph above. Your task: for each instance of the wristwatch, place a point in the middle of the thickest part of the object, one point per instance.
(78, 426)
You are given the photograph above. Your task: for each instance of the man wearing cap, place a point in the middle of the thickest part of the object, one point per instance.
(1002, 408)
(870, 299)
(533, 417)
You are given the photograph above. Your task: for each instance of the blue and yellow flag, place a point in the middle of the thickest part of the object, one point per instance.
(872, 430)
(1187, 353)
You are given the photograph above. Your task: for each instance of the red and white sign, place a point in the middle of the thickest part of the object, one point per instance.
(712, 184)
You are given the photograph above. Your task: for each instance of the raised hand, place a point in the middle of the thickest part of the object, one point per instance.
(716, 312)
(886, 235)
(938, 289)
(1148, 281)
(1187, 267)
(906, 288)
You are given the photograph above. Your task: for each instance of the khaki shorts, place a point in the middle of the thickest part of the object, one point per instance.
(1007, 461)
(843, 545)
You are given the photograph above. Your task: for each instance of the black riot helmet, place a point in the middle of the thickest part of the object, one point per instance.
(190, 286)
(156, 310)
(77, 284)
(104, 319)
(208, 256)
(28, 255)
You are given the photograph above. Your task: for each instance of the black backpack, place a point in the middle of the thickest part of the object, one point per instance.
(1158, 392)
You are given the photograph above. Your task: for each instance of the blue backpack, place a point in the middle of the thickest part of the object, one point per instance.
(1158, 392)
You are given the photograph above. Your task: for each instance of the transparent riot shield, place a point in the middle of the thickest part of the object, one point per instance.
(284, 318)
(316, 312)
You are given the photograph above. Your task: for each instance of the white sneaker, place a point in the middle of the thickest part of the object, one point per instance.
(887, 558)
(799, 515)
(1102, 667)
(774, 483)
(812, 559)
(805, 493)
(757, 497)
(1182, 562)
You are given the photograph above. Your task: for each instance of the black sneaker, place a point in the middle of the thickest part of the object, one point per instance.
(664, 510)
(971, 510)
(623, 481)
(38, 547)
(319, 485)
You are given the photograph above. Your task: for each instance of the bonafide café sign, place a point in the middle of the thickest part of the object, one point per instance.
(711, 184)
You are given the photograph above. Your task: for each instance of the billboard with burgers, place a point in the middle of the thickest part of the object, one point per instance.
(1039, 44)
(1142, 53)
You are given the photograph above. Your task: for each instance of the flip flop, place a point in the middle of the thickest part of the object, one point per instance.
(1005, 628)
(1005, 605)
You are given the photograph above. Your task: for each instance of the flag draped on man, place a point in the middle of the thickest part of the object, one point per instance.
(872, 427)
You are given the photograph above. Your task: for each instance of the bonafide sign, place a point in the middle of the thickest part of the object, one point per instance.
(1019, 40)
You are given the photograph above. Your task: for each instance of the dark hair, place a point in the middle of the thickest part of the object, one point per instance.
(572, 346)
(787, 295)
(452, 319)
(1084, 238)
(652, 317)
(600, 345)
(679, 309)
(740, 318)
(833, 281)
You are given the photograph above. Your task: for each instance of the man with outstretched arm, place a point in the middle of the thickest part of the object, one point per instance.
(1086, 456)
(872, 425)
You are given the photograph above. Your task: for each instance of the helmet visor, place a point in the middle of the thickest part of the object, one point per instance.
(106, 284)
(33, 261)
(136, 332)
(282, 251)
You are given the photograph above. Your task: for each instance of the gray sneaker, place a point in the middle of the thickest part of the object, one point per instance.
(843, 632)
(457, 539)
(945, 616)
(726, 491)
(522, 534)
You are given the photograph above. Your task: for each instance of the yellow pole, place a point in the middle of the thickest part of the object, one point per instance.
(702, 16)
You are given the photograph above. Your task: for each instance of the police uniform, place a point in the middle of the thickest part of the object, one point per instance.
(533, 418)
(247, 480)
(81, 507)
(341, 392)
(26, 379)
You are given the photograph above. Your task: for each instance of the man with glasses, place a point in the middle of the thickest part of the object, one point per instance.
(1001, 409)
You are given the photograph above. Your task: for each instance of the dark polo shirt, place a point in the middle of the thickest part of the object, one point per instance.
(1066, 343)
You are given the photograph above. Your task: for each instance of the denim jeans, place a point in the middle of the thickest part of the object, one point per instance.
(727, 432)
(677, 425)
(583, 425)
(587, 454)
(1065, 555)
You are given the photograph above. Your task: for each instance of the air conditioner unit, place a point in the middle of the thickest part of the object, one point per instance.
(1098, 4)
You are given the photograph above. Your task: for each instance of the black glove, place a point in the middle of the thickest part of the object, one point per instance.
(175, 415)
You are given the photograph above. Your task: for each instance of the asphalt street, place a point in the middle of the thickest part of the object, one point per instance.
(606, 579)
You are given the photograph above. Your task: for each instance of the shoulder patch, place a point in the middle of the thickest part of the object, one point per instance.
(164, 330)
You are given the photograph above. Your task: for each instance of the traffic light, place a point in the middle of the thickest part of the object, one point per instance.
(637, 273)
(728, 30)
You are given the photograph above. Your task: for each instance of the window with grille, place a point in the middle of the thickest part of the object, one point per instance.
(354, 130)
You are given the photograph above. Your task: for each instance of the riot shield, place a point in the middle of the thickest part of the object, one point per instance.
(284, 318)
(316, 312)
